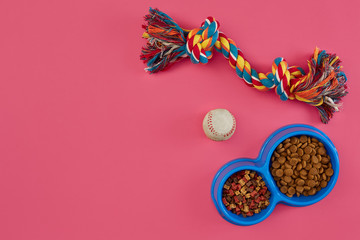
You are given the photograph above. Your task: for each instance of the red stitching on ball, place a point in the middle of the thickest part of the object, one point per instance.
(212, 129)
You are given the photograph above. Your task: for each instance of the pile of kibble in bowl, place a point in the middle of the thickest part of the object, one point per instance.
(301, 166)
(245, 193)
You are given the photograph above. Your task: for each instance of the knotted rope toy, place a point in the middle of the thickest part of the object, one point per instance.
(323, 86)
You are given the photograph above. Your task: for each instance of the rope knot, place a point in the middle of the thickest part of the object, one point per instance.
(285, 78)
(201, 41)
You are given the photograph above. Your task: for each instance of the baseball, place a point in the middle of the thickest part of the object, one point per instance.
(219, 124)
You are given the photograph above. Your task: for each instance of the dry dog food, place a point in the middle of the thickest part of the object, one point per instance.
(301, 166)
(245, 193)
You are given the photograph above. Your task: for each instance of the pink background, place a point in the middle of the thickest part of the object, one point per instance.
(92, 147)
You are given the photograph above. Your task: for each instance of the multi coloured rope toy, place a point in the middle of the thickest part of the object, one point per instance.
(323, 86)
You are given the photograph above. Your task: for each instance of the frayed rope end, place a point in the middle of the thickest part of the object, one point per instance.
(166, 41)
(325, 84)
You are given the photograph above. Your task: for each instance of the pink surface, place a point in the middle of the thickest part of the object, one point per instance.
(92, 147)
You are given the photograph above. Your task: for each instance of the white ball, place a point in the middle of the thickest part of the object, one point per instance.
(219, 124)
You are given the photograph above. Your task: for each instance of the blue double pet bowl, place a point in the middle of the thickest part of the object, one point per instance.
(262, 165)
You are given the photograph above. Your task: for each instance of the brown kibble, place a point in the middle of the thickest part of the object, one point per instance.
(281, 150)
(324, 177)
(313, 152)
(293, 149)
(303, 163)
(279, 172)
(282, 182)
(303, 139)
(314, 159)
(312, 191)
(294, 161)
(314, 140)
(311, 183)
(325, 160)
(276, 154)
(317, 165)
(291, 190)
(300, 189)
(287, 165)
(299, 167)
(321, 151)
(294, 140)
(287, 179)
(288, 172)
(308, 150)
(313, 171)
(283, 189)
(329, 172)
(306, 157)
(300, 152)
(275, 164)
(288, 152)
(281, 159)
(287, 145)
(301, 182)
(303, 167)
(308, 167)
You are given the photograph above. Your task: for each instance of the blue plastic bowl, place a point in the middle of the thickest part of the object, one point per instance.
(261, 165)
